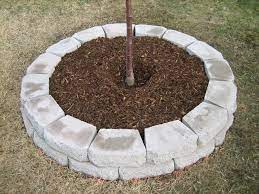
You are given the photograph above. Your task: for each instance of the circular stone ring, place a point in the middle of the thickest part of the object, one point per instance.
(120, 153)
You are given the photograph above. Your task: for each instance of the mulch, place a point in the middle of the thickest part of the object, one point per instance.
(89, 83)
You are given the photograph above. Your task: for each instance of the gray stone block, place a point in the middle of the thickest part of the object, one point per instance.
(107, 173)
(116, 30)
(178, 38)
(149, 30)
(49, 151)
(64, 46)
(206, 120)
(218, 69)
(89, 34)
(70, 136)
(169, 140)
(42, 111)
(222, 93)
(146, 170)
(203, 51)
(220, 137)
(34, 85)
(27, 124)
(117, 147)
(44, 64)
(201, 152)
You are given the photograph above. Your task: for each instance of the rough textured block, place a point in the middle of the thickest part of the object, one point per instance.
(107, 173)
(63, 47)
(169, 140)
(42, 111)
(34, 85)
(146, 170)
(222, 93)
(201, 152)
(59, 157)
(178, 38)
(117, 147)
(206, 150)
(27, 124)
(206, 120)
(116, 30)
(203, 51)
(218, 69)
(219, 139)
(149, 30)
(44, 64)
(89, 34)
(70, 136)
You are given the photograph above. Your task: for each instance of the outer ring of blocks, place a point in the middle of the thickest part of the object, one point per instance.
(121, 154)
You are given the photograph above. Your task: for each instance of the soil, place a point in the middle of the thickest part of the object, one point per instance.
(89, 83)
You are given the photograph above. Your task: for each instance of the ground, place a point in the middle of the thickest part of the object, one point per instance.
(27, 28)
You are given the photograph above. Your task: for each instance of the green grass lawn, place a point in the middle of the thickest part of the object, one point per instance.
(27, 28)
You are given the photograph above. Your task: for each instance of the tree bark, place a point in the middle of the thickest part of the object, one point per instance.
(129, 55)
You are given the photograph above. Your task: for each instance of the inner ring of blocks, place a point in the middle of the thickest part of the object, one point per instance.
(120, 153)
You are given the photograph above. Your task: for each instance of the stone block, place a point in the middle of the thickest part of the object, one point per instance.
(27, 124)
(201, 152)
(178, 38)
(149, 30)
(44, 64)
(218, 69)
(42, 111)
(117, 147)
(34, 85)
(206, 120)
(64, 46)
(70, 136)
(89, 34)
(49, 151)
(146, 170)
(107, 173)
(219, 139)
(169, 140)
(222, 93)
(116, 30)
(203, 51)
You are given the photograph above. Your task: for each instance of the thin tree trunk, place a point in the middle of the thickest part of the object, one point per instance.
(129, 58)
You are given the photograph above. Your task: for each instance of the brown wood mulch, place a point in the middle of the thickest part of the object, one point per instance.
(89, 83)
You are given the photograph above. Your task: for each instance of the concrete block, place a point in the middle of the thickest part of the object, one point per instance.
(201, 152)
(220, 137)
(34, 85)
(222, 93)
(149, 30)
(117, 147)
(218, 69)
(169, 140)
(49, 151)
(64, 46)
(146, 170)
(107, 173)
(206, 120)
(42, 111)
(203, 51)
(89, 34)
(70, 136)
(44, 64)
(27, 124)
(178, 38)
(116, 30)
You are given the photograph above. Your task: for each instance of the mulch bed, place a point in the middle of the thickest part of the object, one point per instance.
(89, 83)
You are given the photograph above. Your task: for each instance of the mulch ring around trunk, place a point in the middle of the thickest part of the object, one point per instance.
(89, 83)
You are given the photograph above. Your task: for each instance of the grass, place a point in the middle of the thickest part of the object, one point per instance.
(28, 27)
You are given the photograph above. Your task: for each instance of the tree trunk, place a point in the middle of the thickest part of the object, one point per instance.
(129, 58)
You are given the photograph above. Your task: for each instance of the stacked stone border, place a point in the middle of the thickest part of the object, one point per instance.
(120, 153)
